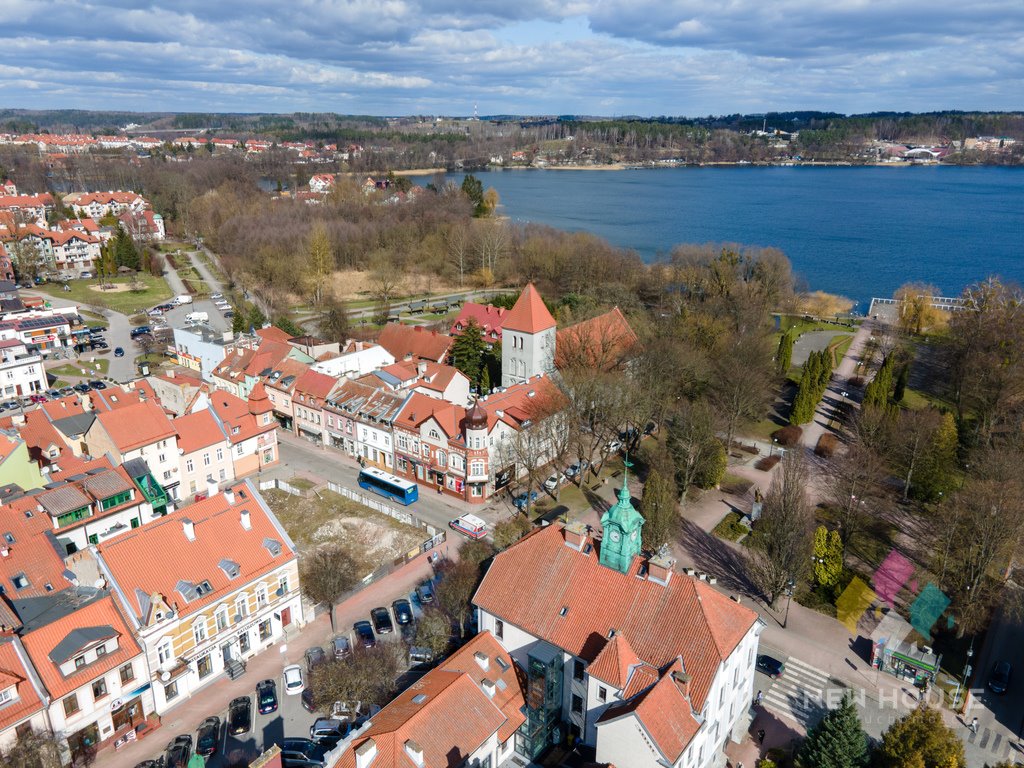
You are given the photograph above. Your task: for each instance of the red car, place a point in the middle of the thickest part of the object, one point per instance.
(39, 398)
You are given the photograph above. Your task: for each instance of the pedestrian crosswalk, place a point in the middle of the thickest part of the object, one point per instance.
(802, 693)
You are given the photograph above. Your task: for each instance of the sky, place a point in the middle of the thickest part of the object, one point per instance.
(593, 57)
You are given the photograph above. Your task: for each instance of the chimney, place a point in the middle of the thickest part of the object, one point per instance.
(415, 752)
(365, 753)
(482, 660)
(5, 551)
(488, 686)
(211, 487)
(575, 535)
(18, 419)
(659, 569)
(422, 368)
(246, 522)
(170, 373)
(683, 681)
(229, 496)
(189, 528)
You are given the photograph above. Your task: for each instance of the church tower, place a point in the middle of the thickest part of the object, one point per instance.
(527, 339)
(620, 542)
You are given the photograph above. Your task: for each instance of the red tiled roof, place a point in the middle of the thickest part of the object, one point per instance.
(614, 661)
(315, 384)
(603, 342)
(415, 342)
(13, 672)
(419, 408)
(518, 405)
(198, 430)
(234, 412)
(40, 435)
(273, 333)
(488, 317)
(153, 558)
(665, 714)
(41, 642)
(529, 315)
(530, 583)
(136, 425)
(452, 694)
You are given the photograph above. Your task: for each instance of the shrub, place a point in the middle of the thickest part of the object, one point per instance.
(826, 446)
(857, 381)
(713, 470)
(788, 436)
(768, 462)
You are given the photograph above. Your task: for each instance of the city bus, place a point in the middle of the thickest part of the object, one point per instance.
(383, 484)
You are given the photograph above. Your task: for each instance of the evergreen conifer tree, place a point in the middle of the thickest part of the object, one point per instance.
(784, 355)
(838, 741)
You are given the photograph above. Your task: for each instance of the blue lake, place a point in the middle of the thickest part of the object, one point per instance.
(860, 232)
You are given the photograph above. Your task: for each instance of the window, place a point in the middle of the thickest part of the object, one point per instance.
(199, 630)
(434, 434)
(203, 666)
(101, 650)
(442, 459)
(220, 454)
(265, 629)
(6, 695)
(117, 500)
(261, 597)
(602, 693)
(476, 490)
(222, 619)
(282, 585)
(162, 458)
(476, 468)
(499, 629)
(189, 466)
(223, 474)
(167, 475)
(238, 449)
(206, 459)
(577, 670)
(71, 705)
(127, 673)
(79, 662)
(171, 691)
(577, 705)
(99, 688)
(164, 653)
(242, 607)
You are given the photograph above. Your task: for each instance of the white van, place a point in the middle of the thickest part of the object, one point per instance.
(197, 317)
(183, 299)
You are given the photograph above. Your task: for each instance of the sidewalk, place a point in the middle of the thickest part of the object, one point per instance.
(214, 698)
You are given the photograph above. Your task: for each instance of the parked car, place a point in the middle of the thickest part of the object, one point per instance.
(101, 344)
(164, 307)
(239, 715)
(94, 329)
(613, 447)
(82, 388)
(155, 312)
(576, 467)
(229, 313)
(86, 276)
(364, 634)
(341, 646)
(97, 384)
(38, 398)
(292, 676)
(520, 502)
(216, 295)
(425, 592)
(553, 482)
(118, 351)
(55, 394)
(770, 666)
(67, 391)
(381, 620)
(266, 697)
(999, 680)
(208, 736)
(315, 656)
(140, 330)
(301, 753)
(419, 655)
(327, 732)
(403, 612)
(178, 752)
(308, 699)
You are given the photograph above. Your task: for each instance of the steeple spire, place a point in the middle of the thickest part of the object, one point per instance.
(621, 539)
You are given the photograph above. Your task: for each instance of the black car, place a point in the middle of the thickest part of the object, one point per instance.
(239, 715)
(118, 352)
(266, 697)
(327, 732)
(304, 747)
(164, 307)
(314, 657)
(140, 331)
(99, 344)
(381, 620)
(769, 666)
(403, 611)
(425, 592)
(364, 634)
(94, 329)
(308, 699)
(208, 736)
(55, 394)
(999, 680)
(83, 388)
(97, 384)
(178, 752)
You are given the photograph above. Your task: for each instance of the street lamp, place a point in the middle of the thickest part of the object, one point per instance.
(775, 441)
(789, 598)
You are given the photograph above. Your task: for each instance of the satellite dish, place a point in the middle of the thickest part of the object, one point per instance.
(165, 676)
(100, 583)
(169, 615)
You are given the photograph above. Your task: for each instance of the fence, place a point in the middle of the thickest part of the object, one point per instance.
(281, 485)
(400, 515)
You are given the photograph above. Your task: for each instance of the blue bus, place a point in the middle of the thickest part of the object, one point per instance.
(402, 491)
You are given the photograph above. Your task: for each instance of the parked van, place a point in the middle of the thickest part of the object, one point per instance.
(197, 317)
(183, 299)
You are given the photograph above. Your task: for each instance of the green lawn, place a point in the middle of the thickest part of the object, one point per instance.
(125, 302)
(839, 346)
(798, 325)
(730, 527)
(70, 369)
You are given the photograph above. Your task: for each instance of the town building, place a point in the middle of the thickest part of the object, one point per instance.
(144, 226)
(528, 339)
(21, 366)
(488, 317)
(357, 359)
(205, 454)
(205, 589)
(466, 711)
(250, 428)
(91, 667)
(436, 380)
(21, 694)
(650, 667)
(359, 417)
(605, 342)
(406, 342)
(311, 392)
(96, 205)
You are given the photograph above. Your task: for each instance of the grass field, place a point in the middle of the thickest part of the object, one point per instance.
(839, 345)
(69, 369)
(730, 528)
(124, 301)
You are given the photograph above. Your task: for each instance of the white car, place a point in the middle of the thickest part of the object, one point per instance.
(613, 447)
(552, 482)
(293, 682)
(216, 295)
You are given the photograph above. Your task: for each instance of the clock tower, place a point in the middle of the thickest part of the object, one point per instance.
(621, 525)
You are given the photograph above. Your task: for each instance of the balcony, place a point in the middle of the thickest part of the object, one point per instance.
(153, 491)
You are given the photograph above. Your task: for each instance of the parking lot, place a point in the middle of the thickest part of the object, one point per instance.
(290, 720)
